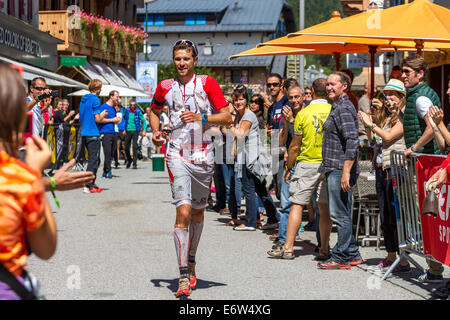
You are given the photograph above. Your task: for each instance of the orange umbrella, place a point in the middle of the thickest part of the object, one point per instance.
(421, 21)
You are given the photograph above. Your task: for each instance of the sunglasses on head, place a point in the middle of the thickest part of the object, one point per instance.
(187, 43)
(275, 84)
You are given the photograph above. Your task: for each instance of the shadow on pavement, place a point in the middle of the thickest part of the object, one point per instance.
(172, 284)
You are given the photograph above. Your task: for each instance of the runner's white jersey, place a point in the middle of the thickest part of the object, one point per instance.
(202, 94)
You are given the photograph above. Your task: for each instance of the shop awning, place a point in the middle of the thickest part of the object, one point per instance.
(51, 78)
(108, 74)
(127, 78)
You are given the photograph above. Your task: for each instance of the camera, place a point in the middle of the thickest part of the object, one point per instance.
(52, 94)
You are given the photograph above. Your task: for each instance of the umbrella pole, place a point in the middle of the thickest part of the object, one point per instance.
(337, 58)
(419, 47)
(372, 50)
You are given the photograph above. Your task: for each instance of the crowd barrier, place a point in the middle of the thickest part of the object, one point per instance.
(424, 235)
(65, 143)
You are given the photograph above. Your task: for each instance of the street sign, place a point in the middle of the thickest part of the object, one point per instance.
(73, 61)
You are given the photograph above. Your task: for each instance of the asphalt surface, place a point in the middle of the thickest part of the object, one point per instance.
(119, 245)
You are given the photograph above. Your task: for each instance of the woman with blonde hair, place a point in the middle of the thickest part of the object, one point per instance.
(387, 124)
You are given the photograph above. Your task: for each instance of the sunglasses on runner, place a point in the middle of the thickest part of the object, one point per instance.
(187, 43)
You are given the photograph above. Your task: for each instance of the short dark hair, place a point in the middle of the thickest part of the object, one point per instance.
(112, 93)
(240, 90)
(350, 74)
(275, 75)
(289, 82)
(416, 62)
(320, 88)
(396, 68)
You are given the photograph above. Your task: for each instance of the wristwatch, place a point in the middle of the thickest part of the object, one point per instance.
(204, 118)
(373, 126)
(412, 149)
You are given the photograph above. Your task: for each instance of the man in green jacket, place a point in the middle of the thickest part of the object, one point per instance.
(418, 128)
(133, 128)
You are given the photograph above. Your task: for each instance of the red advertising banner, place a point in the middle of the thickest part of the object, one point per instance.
(436, 230)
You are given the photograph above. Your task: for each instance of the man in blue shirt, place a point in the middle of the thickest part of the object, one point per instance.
(107, 131)
(274, 117)
(90, 115)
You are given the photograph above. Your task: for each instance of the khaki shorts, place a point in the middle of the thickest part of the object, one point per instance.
(305, 181)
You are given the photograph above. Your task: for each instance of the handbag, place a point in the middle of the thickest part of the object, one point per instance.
(430, 204)
(260, 167)
(8, 278)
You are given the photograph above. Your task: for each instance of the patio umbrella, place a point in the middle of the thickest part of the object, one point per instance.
(421, 21)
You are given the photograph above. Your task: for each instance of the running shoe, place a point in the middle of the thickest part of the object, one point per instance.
(400, 268)
(92, 190)
(268, 226)
(355, 262)
(184, 288)
(109, 175)
(333, 265)
(192, 276)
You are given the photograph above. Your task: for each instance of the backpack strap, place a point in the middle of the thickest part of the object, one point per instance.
(8, 278)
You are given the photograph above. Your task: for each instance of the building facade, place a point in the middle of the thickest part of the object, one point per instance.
(221, 28)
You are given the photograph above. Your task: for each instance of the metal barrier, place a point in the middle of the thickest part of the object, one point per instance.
(409, 222)
(65, 143)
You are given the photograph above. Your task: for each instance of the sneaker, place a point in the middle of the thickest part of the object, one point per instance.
(92, 190)
(184, 288)
(135, 166)
(192, 276)
(385, 263)
(428, 277)
(333, 265)
(301, 229)
(116, 166)
(244, 228)
(273, 237)
(109, 175)
(268, 226)
(103, 175)
(128, 165)
(355, 262)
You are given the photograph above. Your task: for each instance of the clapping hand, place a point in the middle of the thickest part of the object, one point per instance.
(436, 114)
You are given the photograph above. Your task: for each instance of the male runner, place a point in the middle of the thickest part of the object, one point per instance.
(195, 102)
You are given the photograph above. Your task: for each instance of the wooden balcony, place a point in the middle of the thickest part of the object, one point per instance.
(76, 42)
(351, 7)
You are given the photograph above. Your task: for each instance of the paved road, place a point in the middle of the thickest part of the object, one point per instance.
(119, 245)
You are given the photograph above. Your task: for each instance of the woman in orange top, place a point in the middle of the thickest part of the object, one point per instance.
(25, 215)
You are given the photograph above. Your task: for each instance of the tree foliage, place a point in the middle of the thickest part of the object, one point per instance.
(169, 72)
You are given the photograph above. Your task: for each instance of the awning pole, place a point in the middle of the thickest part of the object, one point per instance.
(337, 58)
(372, 50)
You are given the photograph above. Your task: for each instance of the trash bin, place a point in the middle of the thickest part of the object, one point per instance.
(158, 162)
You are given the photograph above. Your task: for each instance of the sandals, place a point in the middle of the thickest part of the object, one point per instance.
(232, 223)
(324, 255)
(281, 253)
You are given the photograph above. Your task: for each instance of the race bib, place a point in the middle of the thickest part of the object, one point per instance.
(194, 152)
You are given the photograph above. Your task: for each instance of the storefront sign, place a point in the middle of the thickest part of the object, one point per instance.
(73, 61)
(23, 42)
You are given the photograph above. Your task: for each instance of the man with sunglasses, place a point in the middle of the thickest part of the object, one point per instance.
(38, 87)
(418, 127)
(195, 103)
(307, 96)
(274, 118)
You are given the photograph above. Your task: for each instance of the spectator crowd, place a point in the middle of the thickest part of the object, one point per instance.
(317, 136)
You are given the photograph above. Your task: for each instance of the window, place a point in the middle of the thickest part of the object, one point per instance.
(190, 19)
(159, 20)
(201, 19)
(149, 21)
(236, 76)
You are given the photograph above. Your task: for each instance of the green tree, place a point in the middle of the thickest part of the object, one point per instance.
(169, 71)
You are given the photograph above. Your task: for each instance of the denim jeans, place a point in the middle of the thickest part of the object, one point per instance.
(340, 206)
(253, 187)
(228, 175)
(235, 193)
(219, 183)
(285, 207)
(317, 212)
